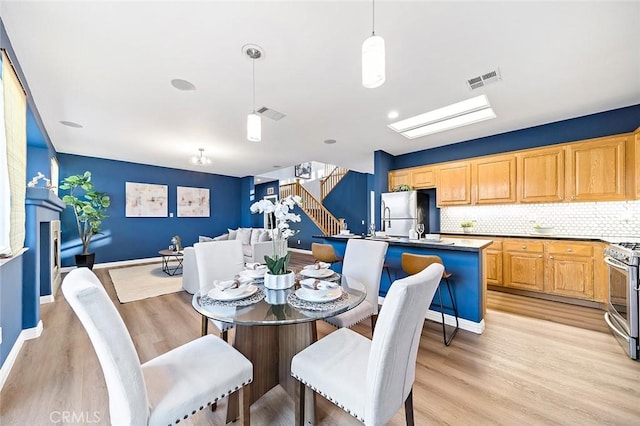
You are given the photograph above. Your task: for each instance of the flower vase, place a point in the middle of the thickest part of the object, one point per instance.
(275, 297)
(466, 230)
(278, 282)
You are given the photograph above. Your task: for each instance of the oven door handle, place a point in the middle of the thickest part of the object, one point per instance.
(614, 328)
(615, 264)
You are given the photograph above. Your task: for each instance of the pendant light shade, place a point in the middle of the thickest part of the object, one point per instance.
(254, 127)
(373, 62)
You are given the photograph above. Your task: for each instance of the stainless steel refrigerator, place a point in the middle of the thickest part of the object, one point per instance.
(402, 210)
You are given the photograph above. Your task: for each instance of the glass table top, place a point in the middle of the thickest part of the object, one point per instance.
(276, 307)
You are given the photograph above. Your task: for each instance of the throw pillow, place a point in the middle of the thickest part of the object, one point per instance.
(222, 237)
(244, 235)
(232, 233)
(203, 239)
(264, 237)
(255, 235)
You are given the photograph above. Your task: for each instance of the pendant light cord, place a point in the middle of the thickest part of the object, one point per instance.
(254, 85)
(373, 17)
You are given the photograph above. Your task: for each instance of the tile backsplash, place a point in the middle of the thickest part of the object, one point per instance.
(598, 219)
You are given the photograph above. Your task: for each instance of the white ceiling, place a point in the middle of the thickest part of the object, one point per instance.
(108, 66)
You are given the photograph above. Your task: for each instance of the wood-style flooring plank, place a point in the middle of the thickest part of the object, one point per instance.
(522, 370)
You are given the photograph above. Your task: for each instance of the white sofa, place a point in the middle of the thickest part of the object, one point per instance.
(256, 244)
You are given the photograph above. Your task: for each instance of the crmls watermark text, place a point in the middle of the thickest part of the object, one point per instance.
(77, 417)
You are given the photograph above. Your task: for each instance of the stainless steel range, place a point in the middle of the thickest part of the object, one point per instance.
(622, 261)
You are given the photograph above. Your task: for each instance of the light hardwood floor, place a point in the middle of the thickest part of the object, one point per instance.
(521, 370)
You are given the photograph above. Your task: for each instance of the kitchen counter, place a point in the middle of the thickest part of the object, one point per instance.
(462, 257)
(536, 235)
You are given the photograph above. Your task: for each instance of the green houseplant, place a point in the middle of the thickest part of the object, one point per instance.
(89, 207)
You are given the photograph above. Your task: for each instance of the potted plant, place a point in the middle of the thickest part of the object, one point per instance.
(467, 225)
(89, 207)
(279, 276)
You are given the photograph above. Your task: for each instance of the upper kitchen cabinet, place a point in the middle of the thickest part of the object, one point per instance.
(494, 179)
(399, 177)
(423, 177)
(636, 162)
(454, 184)
(541, 175)
(596, 170)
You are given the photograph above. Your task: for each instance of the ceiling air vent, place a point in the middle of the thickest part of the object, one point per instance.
(484, 79)
(271, 113)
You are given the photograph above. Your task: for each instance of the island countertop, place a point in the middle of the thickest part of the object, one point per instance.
(457, 244)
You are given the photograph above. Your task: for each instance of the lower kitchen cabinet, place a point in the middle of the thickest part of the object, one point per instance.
(493, 263)
(570, 269)
(523, 262)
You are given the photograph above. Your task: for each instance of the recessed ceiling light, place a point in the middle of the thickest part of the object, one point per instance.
(258, 180)
(276, 167)
(182, 84)
(393, 114)
(449, 117)
(330, 141)
(71, 124)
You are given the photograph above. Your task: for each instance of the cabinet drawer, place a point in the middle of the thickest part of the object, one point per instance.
(524, 246)
(570, 249)
(495, 245)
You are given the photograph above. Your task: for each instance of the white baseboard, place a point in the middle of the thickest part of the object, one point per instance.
(46, 299)
(297, 250)
(464, 324)
(118, 263)
(30, 333)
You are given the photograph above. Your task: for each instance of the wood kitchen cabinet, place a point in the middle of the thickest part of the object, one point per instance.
(569, 269)
(636, 162)
(541, 175)
(493, 262)
(423, 177)
(523, 262)
(494, 179)
(454, 184)
(596, 170)
(399, 177)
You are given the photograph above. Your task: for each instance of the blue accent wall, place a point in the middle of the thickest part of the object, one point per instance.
(38, 160)
(126, 238)
(348, 201)
(10, 304)
(622, 120)
(383, 163)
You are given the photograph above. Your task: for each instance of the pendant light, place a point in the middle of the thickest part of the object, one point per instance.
(373, 58)
(254, 122)
(200, 160)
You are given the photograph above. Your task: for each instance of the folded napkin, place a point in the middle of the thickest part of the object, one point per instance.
(318, 265)
(318, 284)
(238, 281)
(256, 266)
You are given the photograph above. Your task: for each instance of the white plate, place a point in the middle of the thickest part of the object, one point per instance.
(318, 295)
(324, 285)
(233, 293)
(254, 273)
(317, 273)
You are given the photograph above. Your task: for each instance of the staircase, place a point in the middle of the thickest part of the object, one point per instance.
(332, 176)
(318, 213)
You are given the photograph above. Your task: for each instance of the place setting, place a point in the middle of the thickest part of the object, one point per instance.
(319, 270)
(240, 291)
(318, 295)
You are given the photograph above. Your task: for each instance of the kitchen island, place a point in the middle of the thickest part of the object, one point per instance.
(463, 258)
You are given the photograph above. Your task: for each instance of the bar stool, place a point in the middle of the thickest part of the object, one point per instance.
(414, 263)
(324, 253)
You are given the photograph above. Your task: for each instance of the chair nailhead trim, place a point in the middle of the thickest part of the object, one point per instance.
(185, 416)
(193, 412)
(326, 396)
(201, 407)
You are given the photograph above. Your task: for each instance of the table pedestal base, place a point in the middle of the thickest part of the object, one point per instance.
(270, 349)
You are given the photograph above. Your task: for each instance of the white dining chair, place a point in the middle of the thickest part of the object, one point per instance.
(167, 389)
(363, 261)
(217, 260)
(371, 379)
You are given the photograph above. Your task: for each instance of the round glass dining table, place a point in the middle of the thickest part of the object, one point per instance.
(271, 326)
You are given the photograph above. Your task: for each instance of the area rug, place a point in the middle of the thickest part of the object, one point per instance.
(142, 282)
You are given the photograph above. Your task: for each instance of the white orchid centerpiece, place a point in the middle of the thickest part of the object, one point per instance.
(279, 263)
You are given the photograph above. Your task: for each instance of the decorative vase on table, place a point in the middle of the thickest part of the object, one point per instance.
(278, 276)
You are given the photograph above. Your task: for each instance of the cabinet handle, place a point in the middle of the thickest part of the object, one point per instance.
(550, 257)
(539, 255)
(573, 197)
(561, 197)
(569, 250)
(524, 247)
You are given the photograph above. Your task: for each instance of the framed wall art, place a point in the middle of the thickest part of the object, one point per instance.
(146, 200)
(193, 202)
(303, 170)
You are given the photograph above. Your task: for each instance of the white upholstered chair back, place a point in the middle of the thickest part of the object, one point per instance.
(128, 403)
(363, 260)
(218, 260)
(394, 348)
